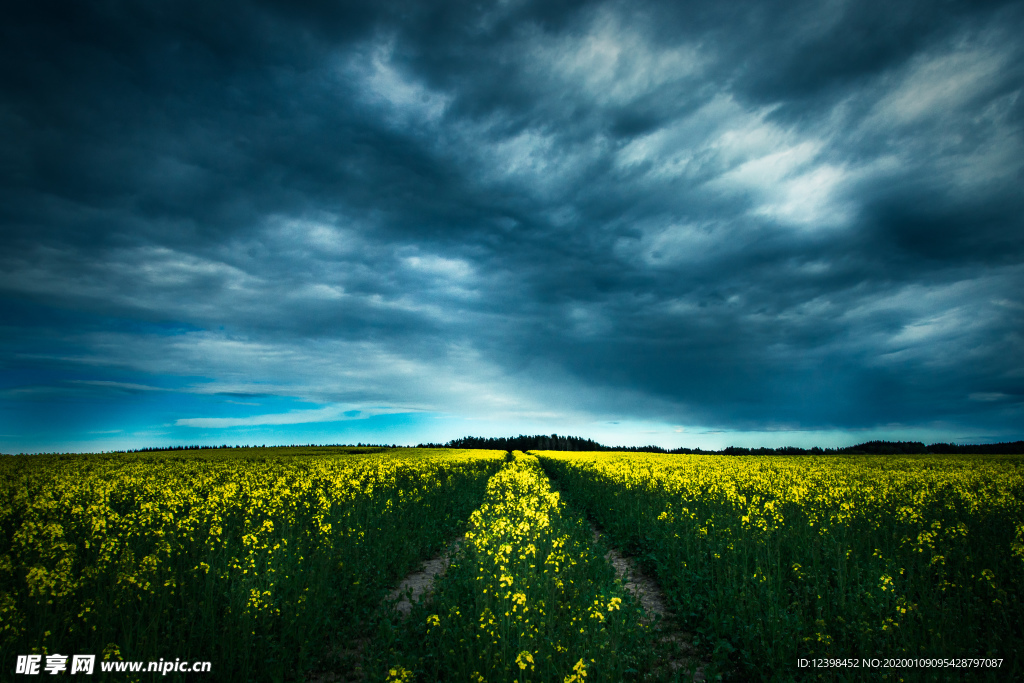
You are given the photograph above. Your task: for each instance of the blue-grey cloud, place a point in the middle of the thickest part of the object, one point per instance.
(752, 216)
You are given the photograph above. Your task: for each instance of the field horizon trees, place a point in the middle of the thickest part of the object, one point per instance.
(556, 442)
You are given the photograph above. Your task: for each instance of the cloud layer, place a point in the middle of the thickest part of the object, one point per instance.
(743, 218)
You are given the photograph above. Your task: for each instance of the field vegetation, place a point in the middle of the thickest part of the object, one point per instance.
(258, 560)
(528, 598)
(270, 563)
(768, 560)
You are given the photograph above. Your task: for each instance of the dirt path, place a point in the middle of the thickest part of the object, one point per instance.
(645, 589)
(349, 659)
(420, 582)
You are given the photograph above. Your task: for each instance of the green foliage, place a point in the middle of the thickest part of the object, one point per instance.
(771, 559)
(263, 561)
(528, 598)
(254, 559)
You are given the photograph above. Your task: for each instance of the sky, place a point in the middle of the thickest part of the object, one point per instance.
(698, 224)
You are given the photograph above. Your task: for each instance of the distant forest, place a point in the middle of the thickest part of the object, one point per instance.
(554, 442)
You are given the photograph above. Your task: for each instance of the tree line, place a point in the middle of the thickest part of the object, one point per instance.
(554, 442)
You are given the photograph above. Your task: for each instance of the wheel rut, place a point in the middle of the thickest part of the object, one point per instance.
(414, 586)
(419, 583)
(682, 656)
(680, 662)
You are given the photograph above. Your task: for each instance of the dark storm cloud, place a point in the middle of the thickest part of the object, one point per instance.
(747, 215)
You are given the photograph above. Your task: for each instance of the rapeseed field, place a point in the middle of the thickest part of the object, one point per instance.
(257, 560)
(275, 564)
(770, 560)
(528, 598)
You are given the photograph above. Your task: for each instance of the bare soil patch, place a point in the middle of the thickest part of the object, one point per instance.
(683, 656)
(420, 582)
(412, 587)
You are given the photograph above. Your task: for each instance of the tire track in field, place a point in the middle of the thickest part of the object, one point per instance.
(634, 580)
(420, 582)
(416, 584)
(497, 509)
(682, 654)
